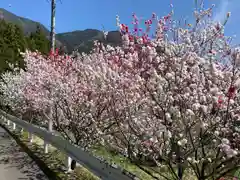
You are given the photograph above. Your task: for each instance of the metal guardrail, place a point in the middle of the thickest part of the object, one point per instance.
(98, 167)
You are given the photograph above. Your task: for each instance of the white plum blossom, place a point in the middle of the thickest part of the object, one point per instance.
(171, 100)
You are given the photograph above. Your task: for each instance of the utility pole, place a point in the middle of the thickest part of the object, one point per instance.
(53, 12)
(52, 35)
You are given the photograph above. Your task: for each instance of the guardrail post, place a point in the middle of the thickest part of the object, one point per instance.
(21, 131)
(8, 122)
(30, 137)
(4, 119)
(45, 147)
(68, 163)
(14, 126)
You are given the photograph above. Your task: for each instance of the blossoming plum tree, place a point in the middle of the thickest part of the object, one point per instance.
(181, 108)
(67, 91)
(170, 103)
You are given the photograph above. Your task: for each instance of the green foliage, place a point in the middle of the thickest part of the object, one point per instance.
(38, 41)
(12, 42)
(82, 41)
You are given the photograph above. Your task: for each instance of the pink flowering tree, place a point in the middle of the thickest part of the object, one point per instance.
(177, 104)
(169, 103)
(59, 89)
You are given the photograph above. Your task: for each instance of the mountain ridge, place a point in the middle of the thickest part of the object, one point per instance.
(81, 40)
(27, 24)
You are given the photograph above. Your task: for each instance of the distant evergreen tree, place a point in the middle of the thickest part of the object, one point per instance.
(38, 41)
(30, 43)
(20, 44)
(12, 42)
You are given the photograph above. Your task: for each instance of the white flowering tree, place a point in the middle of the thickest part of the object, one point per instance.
(170, 103)
(69, 93)
(178, 101)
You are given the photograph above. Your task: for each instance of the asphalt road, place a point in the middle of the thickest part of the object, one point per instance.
(16, 164)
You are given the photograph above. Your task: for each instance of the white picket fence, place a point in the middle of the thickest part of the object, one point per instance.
(98, 167)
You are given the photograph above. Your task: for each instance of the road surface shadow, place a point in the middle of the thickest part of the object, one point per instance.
(52, 164)
(28, 163)
(12, 156)
(55, 160)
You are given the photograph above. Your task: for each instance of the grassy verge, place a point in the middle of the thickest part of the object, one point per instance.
(120, 161)
(123, 162)
(81, 173)
(55, 160)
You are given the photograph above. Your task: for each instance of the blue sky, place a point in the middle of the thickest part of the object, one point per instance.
(81, 14)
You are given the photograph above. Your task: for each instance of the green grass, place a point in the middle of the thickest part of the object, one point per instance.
(237, 174)
(83, 174)
(109, 156)
(55, 160)
(121, 161)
